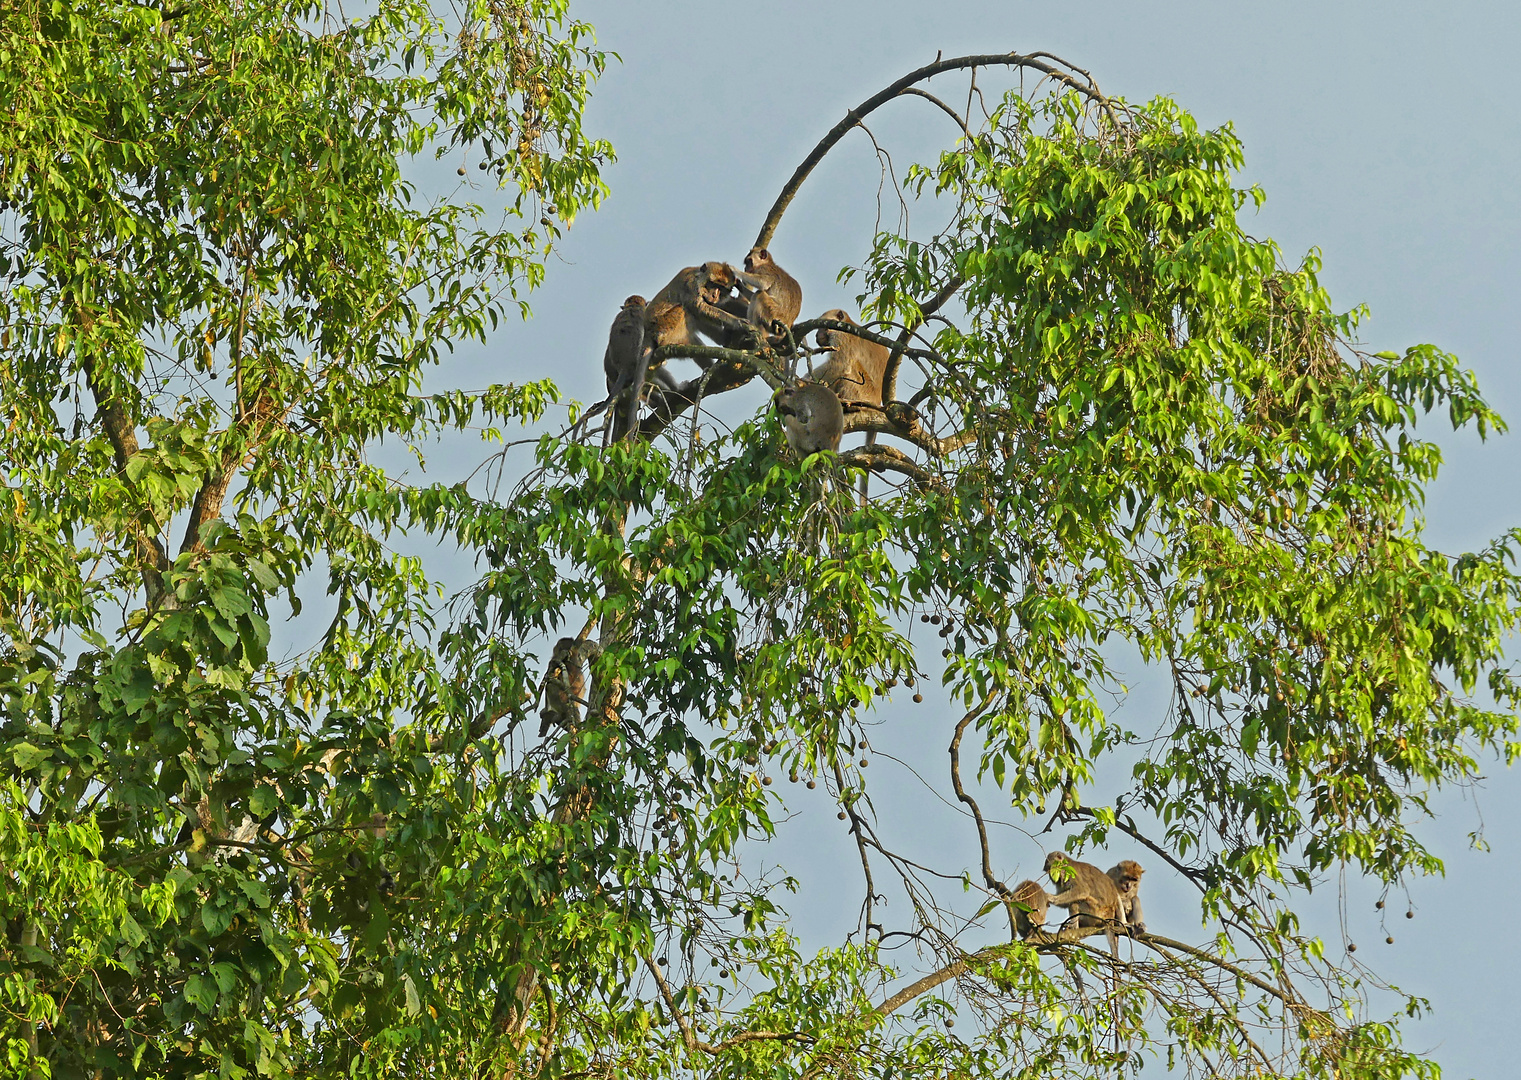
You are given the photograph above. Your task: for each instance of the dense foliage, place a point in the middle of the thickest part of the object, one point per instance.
(358, 858)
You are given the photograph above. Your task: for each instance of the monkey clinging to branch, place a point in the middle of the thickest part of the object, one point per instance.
(565, 684)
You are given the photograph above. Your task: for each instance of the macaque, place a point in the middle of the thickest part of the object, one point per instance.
(564, 686)
(811, 417)
(623, 362)
(773, 296)
(1087, 893)
(687, 306)
(1126, 875)
(1028, 894)
(855, 366)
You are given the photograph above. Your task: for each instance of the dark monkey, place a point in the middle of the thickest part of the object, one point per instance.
(811, 417)
(1087, 893)
(621, 363)
(564, 686)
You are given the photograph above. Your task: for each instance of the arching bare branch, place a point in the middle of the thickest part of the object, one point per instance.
(1051, 66)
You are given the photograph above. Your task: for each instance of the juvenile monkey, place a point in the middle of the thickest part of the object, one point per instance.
(623, 362)
(1087, 893)
(855, 366)
(1126, 875)
(1028, 894)
(773, 295)
(564, 686)
(811, 417)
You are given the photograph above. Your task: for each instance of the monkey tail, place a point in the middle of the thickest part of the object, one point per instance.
(871, 440)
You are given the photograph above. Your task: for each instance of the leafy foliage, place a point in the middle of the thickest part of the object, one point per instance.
(357, 859)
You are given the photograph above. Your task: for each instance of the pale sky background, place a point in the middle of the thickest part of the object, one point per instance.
(1384, 133)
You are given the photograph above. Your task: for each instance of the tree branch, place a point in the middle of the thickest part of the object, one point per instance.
(1036, 61)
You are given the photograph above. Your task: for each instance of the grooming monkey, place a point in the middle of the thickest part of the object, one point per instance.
(855, 367)
(1027, 894)
(811, 416)
(773, 297)
(1087, 893)
(565, 684)
(1126, 875)
(685, 308)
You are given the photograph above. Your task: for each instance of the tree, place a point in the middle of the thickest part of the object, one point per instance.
(1132, 422)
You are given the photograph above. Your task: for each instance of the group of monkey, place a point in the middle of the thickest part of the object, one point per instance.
(1092, 897)
(739, 309)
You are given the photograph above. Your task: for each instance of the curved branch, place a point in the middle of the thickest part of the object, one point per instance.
(989, 878)
(807, 326)
(886, 459)
(1037, 61)
(952, 113)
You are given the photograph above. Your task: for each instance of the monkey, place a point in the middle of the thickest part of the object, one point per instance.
(685, 308)
(855, 370)
(621, 363)
(1028, 894)
(1087, 893)
(773, 296)
(1126, 875)
(564, 686)
(855, 366)
(811, 417)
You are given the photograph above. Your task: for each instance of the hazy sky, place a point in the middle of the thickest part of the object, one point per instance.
(1385, 134)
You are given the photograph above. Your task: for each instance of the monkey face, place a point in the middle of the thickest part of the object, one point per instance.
(719, 276)
(757, 257)
(827, 338)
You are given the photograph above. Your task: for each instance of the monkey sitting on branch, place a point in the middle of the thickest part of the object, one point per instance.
(812, 418)
(1031, 906)
(855, 366)
(772, 297)
(1126, 875)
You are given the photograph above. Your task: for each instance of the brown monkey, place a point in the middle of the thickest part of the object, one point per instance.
(621, 362)
(773, 295)
(686, 307)
(564, 686)
(811, 417)
(1087, 893)
(1029, 895)
(1126, 875)
(855, 366)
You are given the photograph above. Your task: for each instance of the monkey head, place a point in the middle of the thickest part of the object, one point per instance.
(717, 280)
(1059, 867)
(1127, 875)
(757, 257)
(827, 338)
(633, 301)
